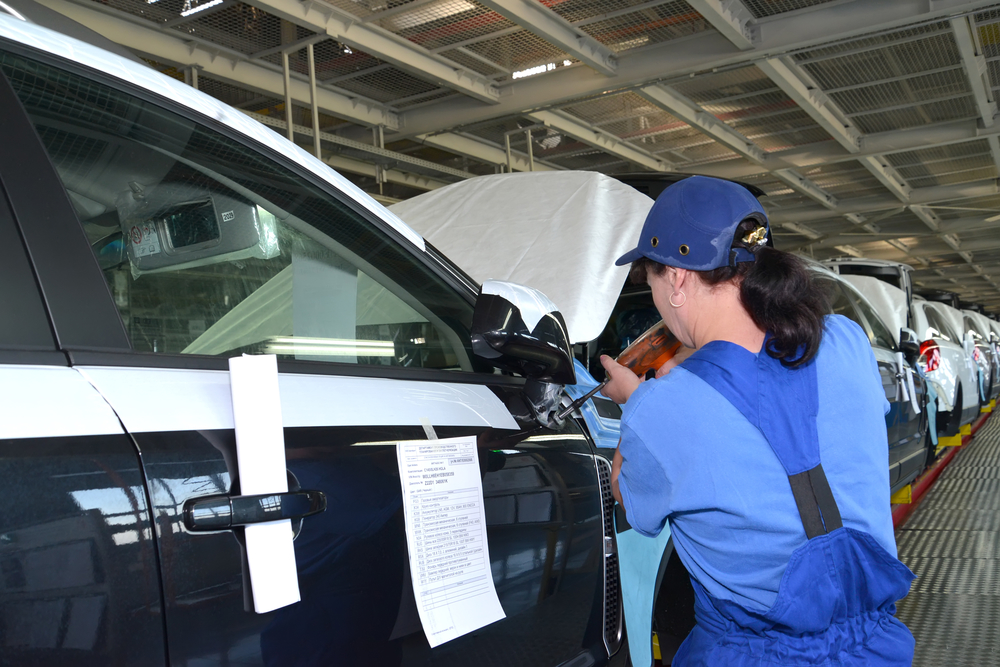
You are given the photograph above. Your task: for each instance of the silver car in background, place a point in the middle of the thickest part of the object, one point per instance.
(944, 361)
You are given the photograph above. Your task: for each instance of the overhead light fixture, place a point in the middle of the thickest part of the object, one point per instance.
(329, 347)
(992, 218)
(188, 10)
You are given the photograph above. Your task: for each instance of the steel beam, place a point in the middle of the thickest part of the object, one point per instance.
(887, 176)
(797, 84)
(321, 17)
(683, 108)
(230, 66)
(676, 59)
(886, 202)
(378, 151)
(730, 18)
(600, 139)
(538, 19)
(805, 186)
(350, 165)
(479, 150)
(975, 68)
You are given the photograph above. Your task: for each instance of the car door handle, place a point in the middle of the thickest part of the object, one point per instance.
(222, 512)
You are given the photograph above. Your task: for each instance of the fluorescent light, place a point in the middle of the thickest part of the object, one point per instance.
(189, 10)
(329, 347)
(531, 71)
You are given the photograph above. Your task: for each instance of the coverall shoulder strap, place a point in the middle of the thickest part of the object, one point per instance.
(783, 403)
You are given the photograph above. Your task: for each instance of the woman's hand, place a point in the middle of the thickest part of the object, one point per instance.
(621, 381)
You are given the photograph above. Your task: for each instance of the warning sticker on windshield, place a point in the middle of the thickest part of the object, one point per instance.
(145, 240)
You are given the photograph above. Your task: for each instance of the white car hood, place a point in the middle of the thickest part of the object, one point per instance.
(888, 301)
(559, 232)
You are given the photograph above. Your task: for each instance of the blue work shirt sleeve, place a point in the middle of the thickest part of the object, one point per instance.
(643, 485)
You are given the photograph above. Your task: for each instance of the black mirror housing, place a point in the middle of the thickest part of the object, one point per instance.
(909, 344)
(501, 333)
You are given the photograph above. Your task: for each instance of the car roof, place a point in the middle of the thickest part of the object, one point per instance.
(136, 73)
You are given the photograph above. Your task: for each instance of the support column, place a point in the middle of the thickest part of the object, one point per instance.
(310, 54)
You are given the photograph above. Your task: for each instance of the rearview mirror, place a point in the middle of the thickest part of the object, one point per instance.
(909, 344)
(519, 329)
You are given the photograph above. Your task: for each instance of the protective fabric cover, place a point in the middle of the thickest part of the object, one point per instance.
(888, 301)
(559, 232)
(837, 597)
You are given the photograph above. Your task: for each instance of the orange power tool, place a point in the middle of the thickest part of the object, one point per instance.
(647, 352)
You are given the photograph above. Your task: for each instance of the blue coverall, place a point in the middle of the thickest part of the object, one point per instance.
(775, 482)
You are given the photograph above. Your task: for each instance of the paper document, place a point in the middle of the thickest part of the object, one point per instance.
(260, 455)
(446, 535)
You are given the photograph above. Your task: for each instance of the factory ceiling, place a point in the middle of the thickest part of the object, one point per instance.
(870, 124)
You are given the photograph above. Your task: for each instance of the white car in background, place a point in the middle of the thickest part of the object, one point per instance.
(944, 361)
(978, 326)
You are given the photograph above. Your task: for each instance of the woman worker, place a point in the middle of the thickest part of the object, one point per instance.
(766, 449)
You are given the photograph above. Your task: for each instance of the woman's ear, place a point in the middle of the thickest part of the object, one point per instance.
(677, 277)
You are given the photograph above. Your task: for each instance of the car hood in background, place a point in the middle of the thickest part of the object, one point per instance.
(559, 232)
(888, 301)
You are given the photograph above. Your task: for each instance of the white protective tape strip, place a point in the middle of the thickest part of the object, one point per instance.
(533, 304)
(49, 402)
(164, 400)
(260, 456)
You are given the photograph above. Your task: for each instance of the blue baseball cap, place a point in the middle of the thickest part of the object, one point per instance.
(692, 222)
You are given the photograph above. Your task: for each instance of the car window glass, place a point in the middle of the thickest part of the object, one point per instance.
(938, 324)
(210, 247)
(880, 332)
(840, 304)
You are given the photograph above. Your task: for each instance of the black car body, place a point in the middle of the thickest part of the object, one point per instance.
(116, 411)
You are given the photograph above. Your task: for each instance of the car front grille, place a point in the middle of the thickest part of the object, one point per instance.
(612, 589)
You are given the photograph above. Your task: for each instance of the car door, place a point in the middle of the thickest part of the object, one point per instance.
(79, 583)
(372, 340)
(843, 303)
(906, 441)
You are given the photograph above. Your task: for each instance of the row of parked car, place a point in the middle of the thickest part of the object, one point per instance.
(148, 232)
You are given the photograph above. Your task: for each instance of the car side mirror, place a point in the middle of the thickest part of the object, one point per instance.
(909, 344)
(519, 329)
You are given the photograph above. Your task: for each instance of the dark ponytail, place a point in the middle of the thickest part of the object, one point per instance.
(781, 297)
(777, 291)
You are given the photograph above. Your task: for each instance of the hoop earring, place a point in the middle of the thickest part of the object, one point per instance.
(677, 305)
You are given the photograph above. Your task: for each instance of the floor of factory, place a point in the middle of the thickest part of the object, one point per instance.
(952, 543)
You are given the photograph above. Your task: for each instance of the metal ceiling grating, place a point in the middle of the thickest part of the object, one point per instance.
(239, 26)
(471, 62)
(762, 8)
(333, 61)
(386, 84)
(749, 102)
(964, 208)
(727, 86)
(945, 165)
(439, 24)
(622, 30)
(241, 98)
(158, 12)
(911, 91)
(962, 108)
(518, 50)
(873, 42)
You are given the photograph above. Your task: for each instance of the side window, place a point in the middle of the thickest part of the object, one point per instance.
(839, 303)
(210, 247)
(880, 332)
(936, 322)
